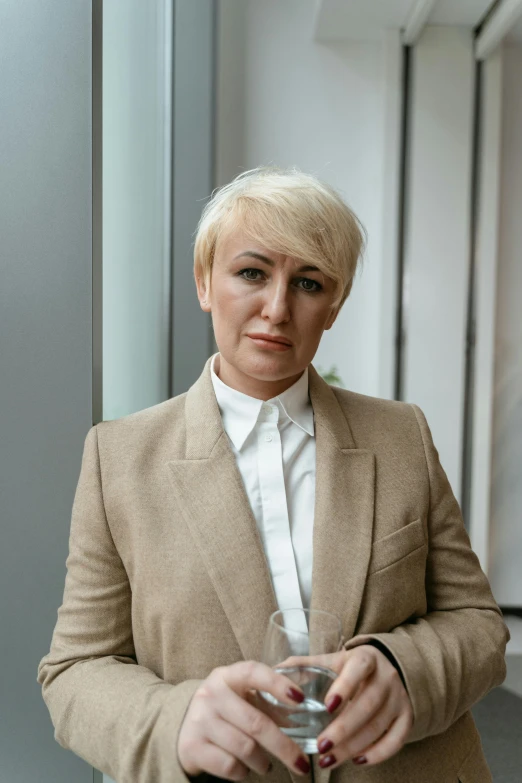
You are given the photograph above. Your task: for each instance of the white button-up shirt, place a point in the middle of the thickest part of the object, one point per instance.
(274, 446)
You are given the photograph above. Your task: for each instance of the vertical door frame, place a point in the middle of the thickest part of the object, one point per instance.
(486, 261)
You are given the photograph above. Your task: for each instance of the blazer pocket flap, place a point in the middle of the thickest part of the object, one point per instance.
(396, 545)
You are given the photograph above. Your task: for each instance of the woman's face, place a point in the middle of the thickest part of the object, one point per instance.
(257, 294)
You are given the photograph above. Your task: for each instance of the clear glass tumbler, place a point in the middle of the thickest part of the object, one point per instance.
(301, 632)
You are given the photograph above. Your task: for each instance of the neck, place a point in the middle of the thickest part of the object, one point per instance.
(253, 387)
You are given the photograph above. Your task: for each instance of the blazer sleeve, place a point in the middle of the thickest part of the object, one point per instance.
(116, 715)
(454, 655)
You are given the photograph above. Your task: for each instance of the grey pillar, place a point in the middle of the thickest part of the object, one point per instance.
(45, 352)
(194, 36)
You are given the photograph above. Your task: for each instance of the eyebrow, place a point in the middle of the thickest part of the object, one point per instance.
(270, 262)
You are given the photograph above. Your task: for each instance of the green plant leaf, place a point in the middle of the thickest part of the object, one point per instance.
(331, 376)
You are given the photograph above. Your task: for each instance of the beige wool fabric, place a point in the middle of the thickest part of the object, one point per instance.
(167, 579)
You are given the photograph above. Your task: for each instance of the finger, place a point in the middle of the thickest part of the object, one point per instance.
(246, 675)
(355, 670)
(333, 661)
(239, 745)
(356, 745)
(357, 714)
(389, 744)
(220, 763)
(264, 731)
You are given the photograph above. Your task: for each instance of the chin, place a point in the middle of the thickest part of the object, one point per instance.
(274, 367)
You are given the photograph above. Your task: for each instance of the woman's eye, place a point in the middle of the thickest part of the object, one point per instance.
(250, 274)
(304, 283)
(309, 285)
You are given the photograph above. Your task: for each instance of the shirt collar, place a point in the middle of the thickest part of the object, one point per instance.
(239, 412)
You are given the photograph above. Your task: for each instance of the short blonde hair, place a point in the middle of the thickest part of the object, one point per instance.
(289, 212)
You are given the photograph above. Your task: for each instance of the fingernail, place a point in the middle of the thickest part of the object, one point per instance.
(333, 703)
(302, 764)
(327, 761)
(360, 760)
(295, 695)
(325, 745)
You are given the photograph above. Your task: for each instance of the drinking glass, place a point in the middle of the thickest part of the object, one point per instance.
(301, 632)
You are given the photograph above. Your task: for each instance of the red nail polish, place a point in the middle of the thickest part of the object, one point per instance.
(360, 760)
(325, 745)
(333, 703)
(302, 764)
(295, 695)
(327, 761)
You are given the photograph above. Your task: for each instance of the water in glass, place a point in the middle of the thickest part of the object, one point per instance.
(303, 722)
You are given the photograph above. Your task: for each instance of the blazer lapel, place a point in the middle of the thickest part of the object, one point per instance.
(344, 509)
(209, 495)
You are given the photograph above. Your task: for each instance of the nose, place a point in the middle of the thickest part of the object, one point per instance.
(276, 305)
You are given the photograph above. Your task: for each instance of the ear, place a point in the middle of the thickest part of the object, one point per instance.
(203, 294)
(332, 318)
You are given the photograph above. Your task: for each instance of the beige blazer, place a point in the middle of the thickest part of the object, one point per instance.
(167, 579)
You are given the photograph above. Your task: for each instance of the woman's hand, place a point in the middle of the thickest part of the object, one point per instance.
(373, 710)
(224, 734)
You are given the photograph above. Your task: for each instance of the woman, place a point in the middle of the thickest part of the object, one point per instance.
(263, 487)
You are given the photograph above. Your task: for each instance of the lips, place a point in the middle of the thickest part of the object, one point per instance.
(270, 338)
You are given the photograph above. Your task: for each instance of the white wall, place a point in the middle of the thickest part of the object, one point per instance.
(438, 215)
(320, 107)
(506, 491)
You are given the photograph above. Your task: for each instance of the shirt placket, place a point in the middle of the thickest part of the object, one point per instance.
(276, 523)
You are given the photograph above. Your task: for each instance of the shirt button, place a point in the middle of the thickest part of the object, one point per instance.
(268, 438)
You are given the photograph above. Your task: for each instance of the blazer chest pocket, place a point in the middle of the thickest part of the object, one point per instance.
(397, 545)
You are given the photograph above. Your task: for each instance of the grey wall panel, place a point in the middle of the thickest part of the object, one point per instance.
(45, 352)
(193, 179)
